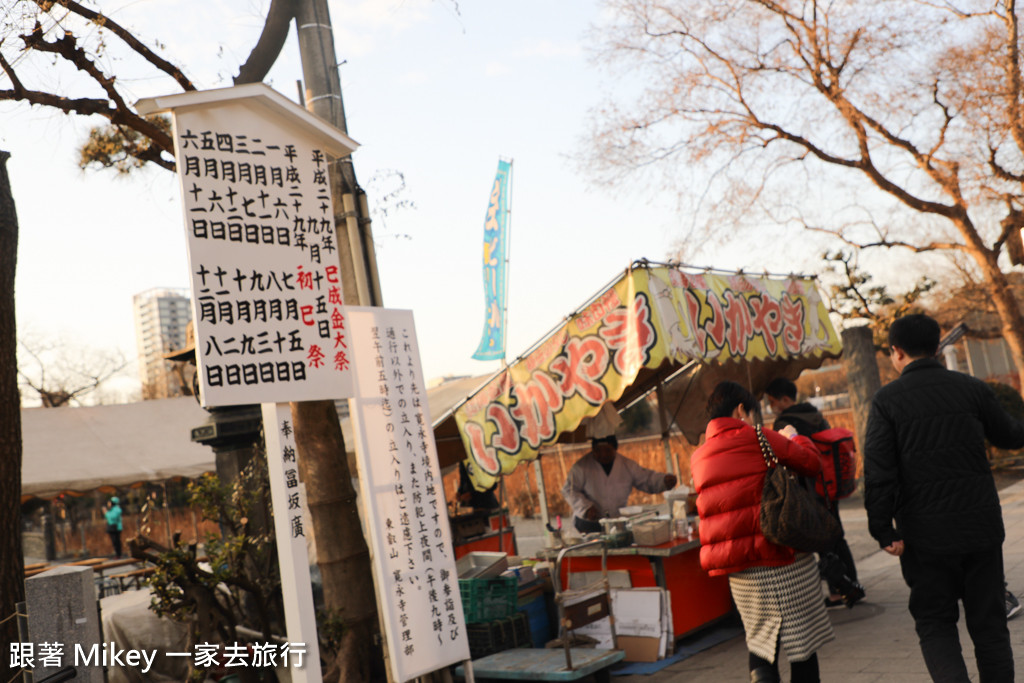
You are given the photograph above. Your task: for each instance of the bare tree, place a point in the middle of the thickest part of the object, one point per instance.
(70, 34)
(12, 565)
(880, 123)
(60, 374)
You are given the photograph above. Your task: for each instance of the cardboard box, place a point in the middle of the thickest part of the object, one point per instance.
(643, 624)
(640, 648)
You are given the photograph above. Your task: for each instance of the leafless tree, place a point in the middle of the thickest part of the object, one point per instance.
(880, 123)
(60, 374)
(12, 565)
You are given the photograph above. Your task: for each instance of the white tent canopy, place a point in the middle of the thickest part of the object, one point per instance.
(80, 449)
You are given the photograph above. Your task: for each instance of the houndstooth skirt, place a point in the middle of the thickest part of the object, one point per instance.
(784, 605)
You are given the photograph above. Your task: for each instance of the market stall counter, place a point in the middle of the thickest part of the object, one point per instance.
(483, 531)
(697, 600)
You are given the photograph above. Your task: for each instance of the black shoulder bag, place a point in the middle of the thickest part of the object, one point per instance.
(791, 514)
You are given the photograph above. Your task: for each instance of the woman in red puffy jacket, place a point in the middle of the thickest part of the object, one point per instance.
(777, 590)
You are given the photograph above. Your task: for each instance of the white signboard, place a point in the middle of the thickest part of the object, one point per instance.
(289, 498)
(266, 285)
(403, 497)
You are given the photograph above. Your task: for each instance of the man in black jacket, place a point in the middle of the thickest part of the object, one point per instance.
(781, 395)
(925, 469)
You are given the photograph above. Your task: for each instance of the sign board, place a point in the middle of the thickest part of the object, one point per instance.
(291, 527)
(403, 496)
(266, 286)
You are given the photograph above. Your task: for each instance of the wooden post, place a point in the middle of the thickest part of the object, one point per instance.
(671, 466)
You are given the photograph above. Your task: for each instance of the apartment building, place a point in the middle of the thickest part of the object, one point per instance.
(161, 317)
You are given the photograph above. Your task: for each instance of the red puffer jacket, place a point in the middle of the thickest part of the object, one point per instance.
(728, 473)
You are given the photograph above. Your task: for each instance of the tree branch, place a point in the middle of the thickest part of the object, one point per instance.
(268, 47)
(916, 248)
(125, 35)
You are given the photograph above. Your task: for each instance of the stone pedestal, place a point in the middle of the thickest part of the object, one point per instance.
(61, 607)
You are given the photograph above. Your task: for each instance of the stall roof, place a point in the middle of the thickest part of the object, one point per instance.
(655, 325)
(83, 448)
(80, 449)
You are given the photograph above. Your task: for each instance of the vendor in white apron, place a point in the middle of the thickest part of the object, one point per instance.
(600, 483)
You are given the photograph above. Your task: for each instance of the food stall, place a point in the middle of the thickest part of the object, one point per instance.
(661, 328)
(482, 531)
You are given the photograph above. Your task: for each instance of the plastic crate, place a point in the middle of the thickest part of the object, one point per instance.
(488, 599)
(536, 611)
(498, 635)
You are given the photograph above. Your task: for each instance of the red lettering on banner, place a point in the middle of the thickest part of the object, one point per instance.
(488, 393)
(584, 361)
(482, 456)
(740, 329)
(630, 333)
(767, 320)
(693, 309)
(546, 351)
(597, 310)
(715, 326)
(793, 324)
(506, 437)
(537, 401)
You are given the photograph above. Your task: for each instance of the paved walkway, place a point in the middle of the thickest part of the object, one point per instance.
(875, 641)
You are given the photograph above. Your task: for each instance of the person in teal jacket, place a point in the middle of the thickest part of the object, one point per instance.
(114, 527)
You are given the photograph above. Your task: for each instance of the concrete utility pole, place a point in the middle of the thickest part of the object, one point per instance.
(342, 552)
(323, 98)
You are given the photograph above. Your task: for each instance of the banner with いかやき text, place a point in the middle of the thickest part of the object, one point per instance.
(649, 316)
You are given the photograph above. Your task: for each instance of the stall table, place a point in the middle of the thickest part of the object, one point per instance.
(696, 598)
(483, 532)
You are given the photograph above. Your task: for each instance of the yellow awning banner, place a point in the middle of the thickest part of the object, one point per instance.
(649, 316)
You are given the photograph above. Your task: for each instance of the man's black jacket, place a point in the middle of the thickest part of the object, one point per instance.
(925, 464)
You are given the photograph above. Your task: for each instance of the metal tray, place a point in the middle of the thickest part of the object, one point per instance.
(481, 565)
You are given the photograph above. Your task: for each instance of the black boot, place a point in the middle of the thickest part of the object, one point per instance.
(853, 594)
(764, 674)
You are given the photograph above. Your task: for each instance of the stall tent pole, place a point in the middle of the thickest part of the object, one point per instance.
(542, 493)
(671, 466)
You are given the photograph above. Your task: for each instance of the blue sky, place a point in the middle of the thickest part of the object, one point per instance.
(432, 93)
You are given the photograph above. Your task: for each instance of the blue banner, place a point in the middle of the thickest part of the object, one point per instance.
(492, 344)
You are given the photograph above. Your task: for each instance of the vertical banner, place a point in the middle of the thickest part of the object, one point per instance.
(492, 343)
(289, 497)
(403, 497)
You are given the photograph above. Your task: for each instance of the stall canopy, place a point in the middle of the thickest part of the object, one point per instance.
(656, 326)
(80, 449)
(75, 450)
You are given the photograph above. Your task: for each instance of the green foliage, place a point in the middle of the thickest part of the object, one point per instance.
(121, 148)
(854, 296)
(239, 584)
